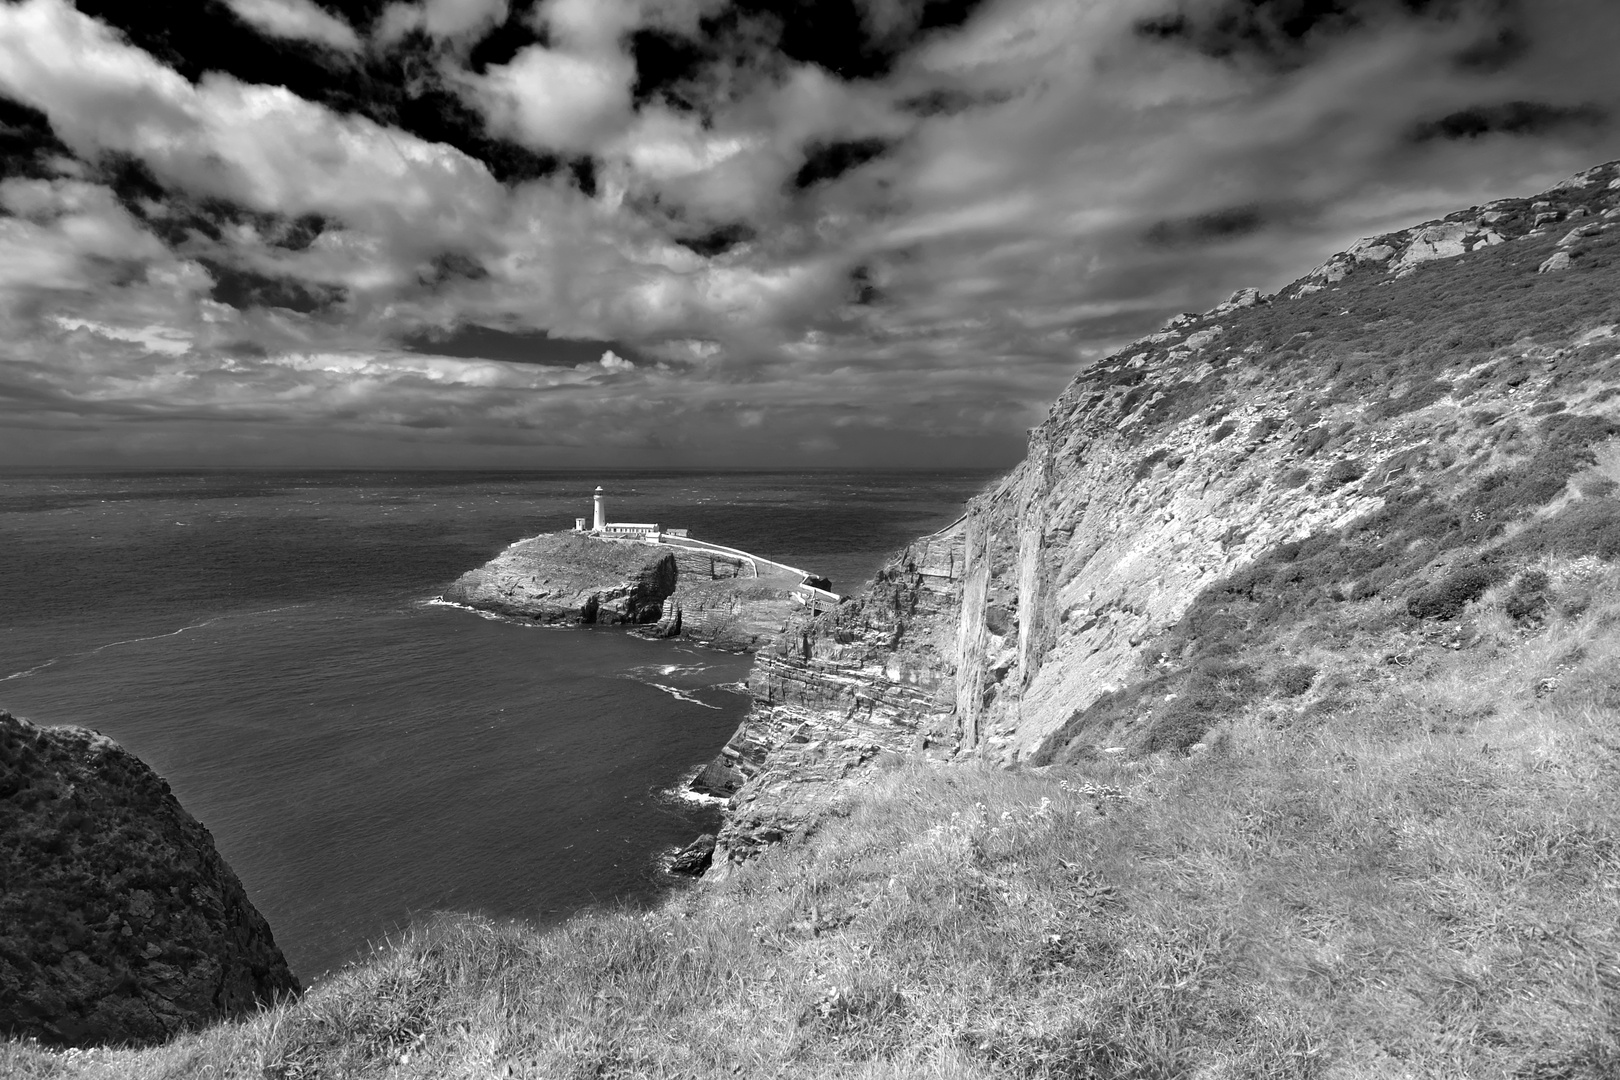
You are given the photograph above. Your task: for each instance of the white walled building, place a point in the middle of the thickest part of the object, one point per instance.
(629, 530)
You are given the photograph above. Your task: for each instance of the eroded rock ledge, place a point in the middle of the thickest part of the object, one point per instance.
(119, 922)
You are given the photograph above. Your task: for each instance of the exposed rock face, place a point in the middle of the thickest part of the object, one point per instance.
(839, 691)
(717, 602)
(1431, 367)
(119, 922)
(570, 579)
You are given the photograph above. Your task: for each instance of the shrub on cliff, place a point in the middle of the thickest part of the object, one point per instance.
(1293, 680)
(1529, 598)
(1341, 473)
(1584, 527)
(1446, 598)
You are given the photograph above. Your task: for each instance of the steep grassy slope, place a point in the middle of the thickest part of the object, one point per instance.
(1418, 881)
(1410, 409)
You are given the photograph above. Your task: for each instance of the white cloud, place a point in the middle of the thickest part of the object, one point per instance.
(440, 18)
(259, 145)
(158, 339)
(612, 361)
(299, 20)
(555, 100)
(66, 234)
(591, 25)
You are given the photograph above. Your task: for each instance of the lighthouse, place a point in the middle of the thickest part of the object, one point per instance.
(601, 515)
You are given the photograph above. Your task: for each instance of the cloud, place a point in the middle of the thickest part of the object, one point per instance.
(730, 237)
(550, 99)
(258, 145)
(439, 18)
(297, 20)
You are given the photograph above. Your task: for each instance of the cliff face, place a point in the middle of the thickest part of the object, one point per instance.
(119, 922)
(836, 693)
(1431, 404)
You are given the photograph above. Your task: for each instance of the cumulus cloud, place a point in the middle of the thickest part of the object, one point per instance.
(550, 99)
(298, 20)
(439, 18)
(258, 145)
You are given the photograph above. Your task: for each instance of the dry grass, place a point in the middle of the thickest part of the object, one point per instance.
(1422, 880)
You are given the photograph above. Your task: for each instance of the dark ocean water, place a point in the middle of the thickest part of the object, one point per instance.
(269, 643)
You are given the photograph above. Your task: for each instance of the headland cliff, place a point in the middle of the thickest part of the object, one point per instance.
(1419, 419)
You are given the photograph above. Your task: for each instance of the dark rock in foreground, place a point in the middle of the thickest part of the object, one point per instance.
(119, 922)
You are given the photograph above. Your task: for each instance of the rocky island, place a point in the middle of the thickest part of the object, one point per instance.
(667, 583)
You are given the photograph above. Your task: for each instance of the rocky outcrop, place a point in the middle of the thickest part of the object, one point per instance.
(837, 692)
(119, 922)
(566, 578)
(572, 579)
(728, 603)
(1430, 376)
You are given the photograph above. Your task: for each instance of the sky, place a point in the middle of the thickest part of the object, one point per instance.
(651, 233)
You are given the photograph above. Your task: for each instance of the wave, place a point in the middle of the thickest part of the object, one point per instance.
(666, 670)
(682, 791)
(494, 616)
(679, 695)
(147, 637)
(30, 671)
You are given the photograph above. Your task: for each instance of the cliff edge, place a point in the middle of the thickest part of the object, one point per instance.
(119, 922)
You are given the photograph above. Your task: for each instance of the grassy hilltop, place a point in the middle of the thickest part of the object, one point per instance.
(1350, 807)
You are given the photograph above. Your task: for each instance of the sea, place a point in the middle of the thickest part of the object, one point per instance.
(364, 754)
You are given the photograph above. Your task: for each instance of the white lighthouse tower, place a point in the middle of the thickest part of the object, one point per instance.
(601, 515)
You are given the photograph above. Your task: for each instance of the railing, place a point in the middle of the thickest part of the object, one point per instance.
(817, 599)
(753, 560)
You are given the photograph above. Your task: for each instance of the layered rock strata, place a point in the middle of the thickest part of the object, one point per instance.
(119, 921)
(838, 692)
(1188, 456)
